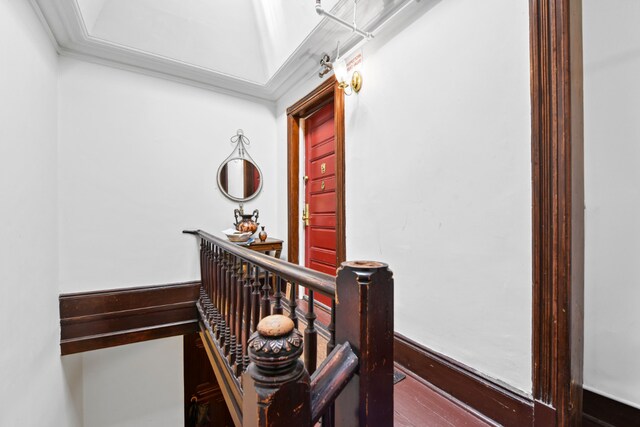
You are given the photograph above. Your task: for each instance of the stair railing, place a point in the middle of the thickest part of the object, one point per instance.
(249, 324)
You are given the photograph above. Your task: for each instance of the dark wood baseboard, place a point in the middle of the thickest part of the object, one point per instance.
(488, 398)
(602, 411)
(94, 320)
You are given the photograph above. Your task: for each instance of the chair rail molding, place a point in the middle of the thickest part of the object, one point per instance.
(94, 320)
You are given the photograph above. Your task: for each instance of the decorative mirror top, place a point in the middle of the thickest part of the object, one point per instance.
(239, 177)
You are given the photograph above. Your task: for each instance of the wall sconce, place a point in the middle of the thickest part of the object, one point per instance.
(341, 73)
(342, 76)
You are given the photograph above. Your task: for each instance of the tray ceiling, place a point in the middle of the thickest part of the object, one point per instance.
(252, 47)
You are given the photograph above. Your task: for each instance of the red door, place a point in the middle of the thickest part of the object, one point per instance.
(320, 193)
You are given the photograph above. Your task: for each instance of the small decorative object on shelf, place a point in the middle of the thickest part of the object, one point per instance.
(248, 222)
(262, 235)
(237, 236)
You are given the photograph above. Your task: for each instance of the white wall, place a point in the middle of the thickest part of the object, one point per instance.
(138, 385)
(137, 160)
(35, 384)
(438, 179)
(612, 175)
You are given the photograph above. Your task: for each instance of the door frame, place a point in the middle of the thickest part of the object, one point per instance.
(557, 146)
(319, 97)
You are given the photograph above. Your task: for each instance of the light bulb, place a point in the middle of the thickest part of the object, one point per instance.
(340, 71)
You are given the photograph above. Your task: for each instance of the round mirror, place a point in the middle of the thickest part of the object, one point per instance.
(239, 179)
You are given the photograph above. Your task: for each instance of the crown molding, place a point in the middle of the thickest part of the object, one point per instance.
(64, 23)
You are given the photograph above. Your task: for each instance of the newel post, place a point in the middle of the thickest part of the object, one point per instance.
(276, 385)
(364, 318)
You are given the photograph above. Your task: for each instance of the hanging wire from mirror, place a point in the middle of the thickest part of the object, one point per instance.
(241, 140)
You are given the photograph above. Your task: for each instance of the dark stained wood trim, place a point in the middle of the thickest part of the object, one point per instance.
(293, 196)
(558, 216)
(364, 319)
(94, 320)
(229, 386)
(603, 411)
(327, 91)
(482, 395)
(130, 336)
(341, 231)
(200, 384)
(314, 99)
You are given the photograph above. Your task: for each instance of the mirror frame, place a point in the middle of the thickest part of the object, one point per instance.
(229, 196)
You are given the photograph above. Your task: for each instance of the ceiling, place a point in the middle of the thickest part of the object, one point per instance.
(258, 48)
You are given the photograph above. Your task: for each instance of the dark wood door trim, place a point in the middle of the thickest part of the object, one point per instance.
(328, 91)
(558, 203)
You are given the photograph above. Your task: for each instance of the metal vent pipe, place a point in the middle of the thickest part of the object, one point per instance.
(320, 11)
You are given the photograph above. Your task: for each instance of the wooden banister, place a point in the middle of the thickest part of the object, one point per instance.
(241, 288)
(311, 279)
(331, 378)
(366, 288)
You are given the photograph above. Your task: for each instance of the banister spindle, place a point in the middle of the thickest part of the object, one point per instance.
(277, 307)
(239, 301)
(239, 311)
(232, 311)
(217, 291)
(255, 298)
(204, 267)
(246, 292)
(216, 276)
(223, 284)
(232, 294)
(293, 304)
(203, 273)
(227, 290)
(310, 337)
(209, 287)
(266, 302)
(227, 281)
(331, 344)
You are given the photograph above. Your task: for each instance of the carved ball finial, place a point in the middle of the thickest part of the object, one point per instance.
(275, 325)
(276, 344)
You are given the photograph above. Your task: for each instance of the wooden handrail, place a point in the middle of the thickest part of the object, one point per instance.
(255, 355)
(331, 378)
(311, 279)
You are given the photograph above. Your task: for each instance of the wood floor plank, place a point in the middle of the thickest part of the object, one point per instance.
(418, 405)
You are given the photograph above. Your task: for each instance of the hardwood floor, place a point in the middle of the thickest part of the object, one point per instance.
(416, 404)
